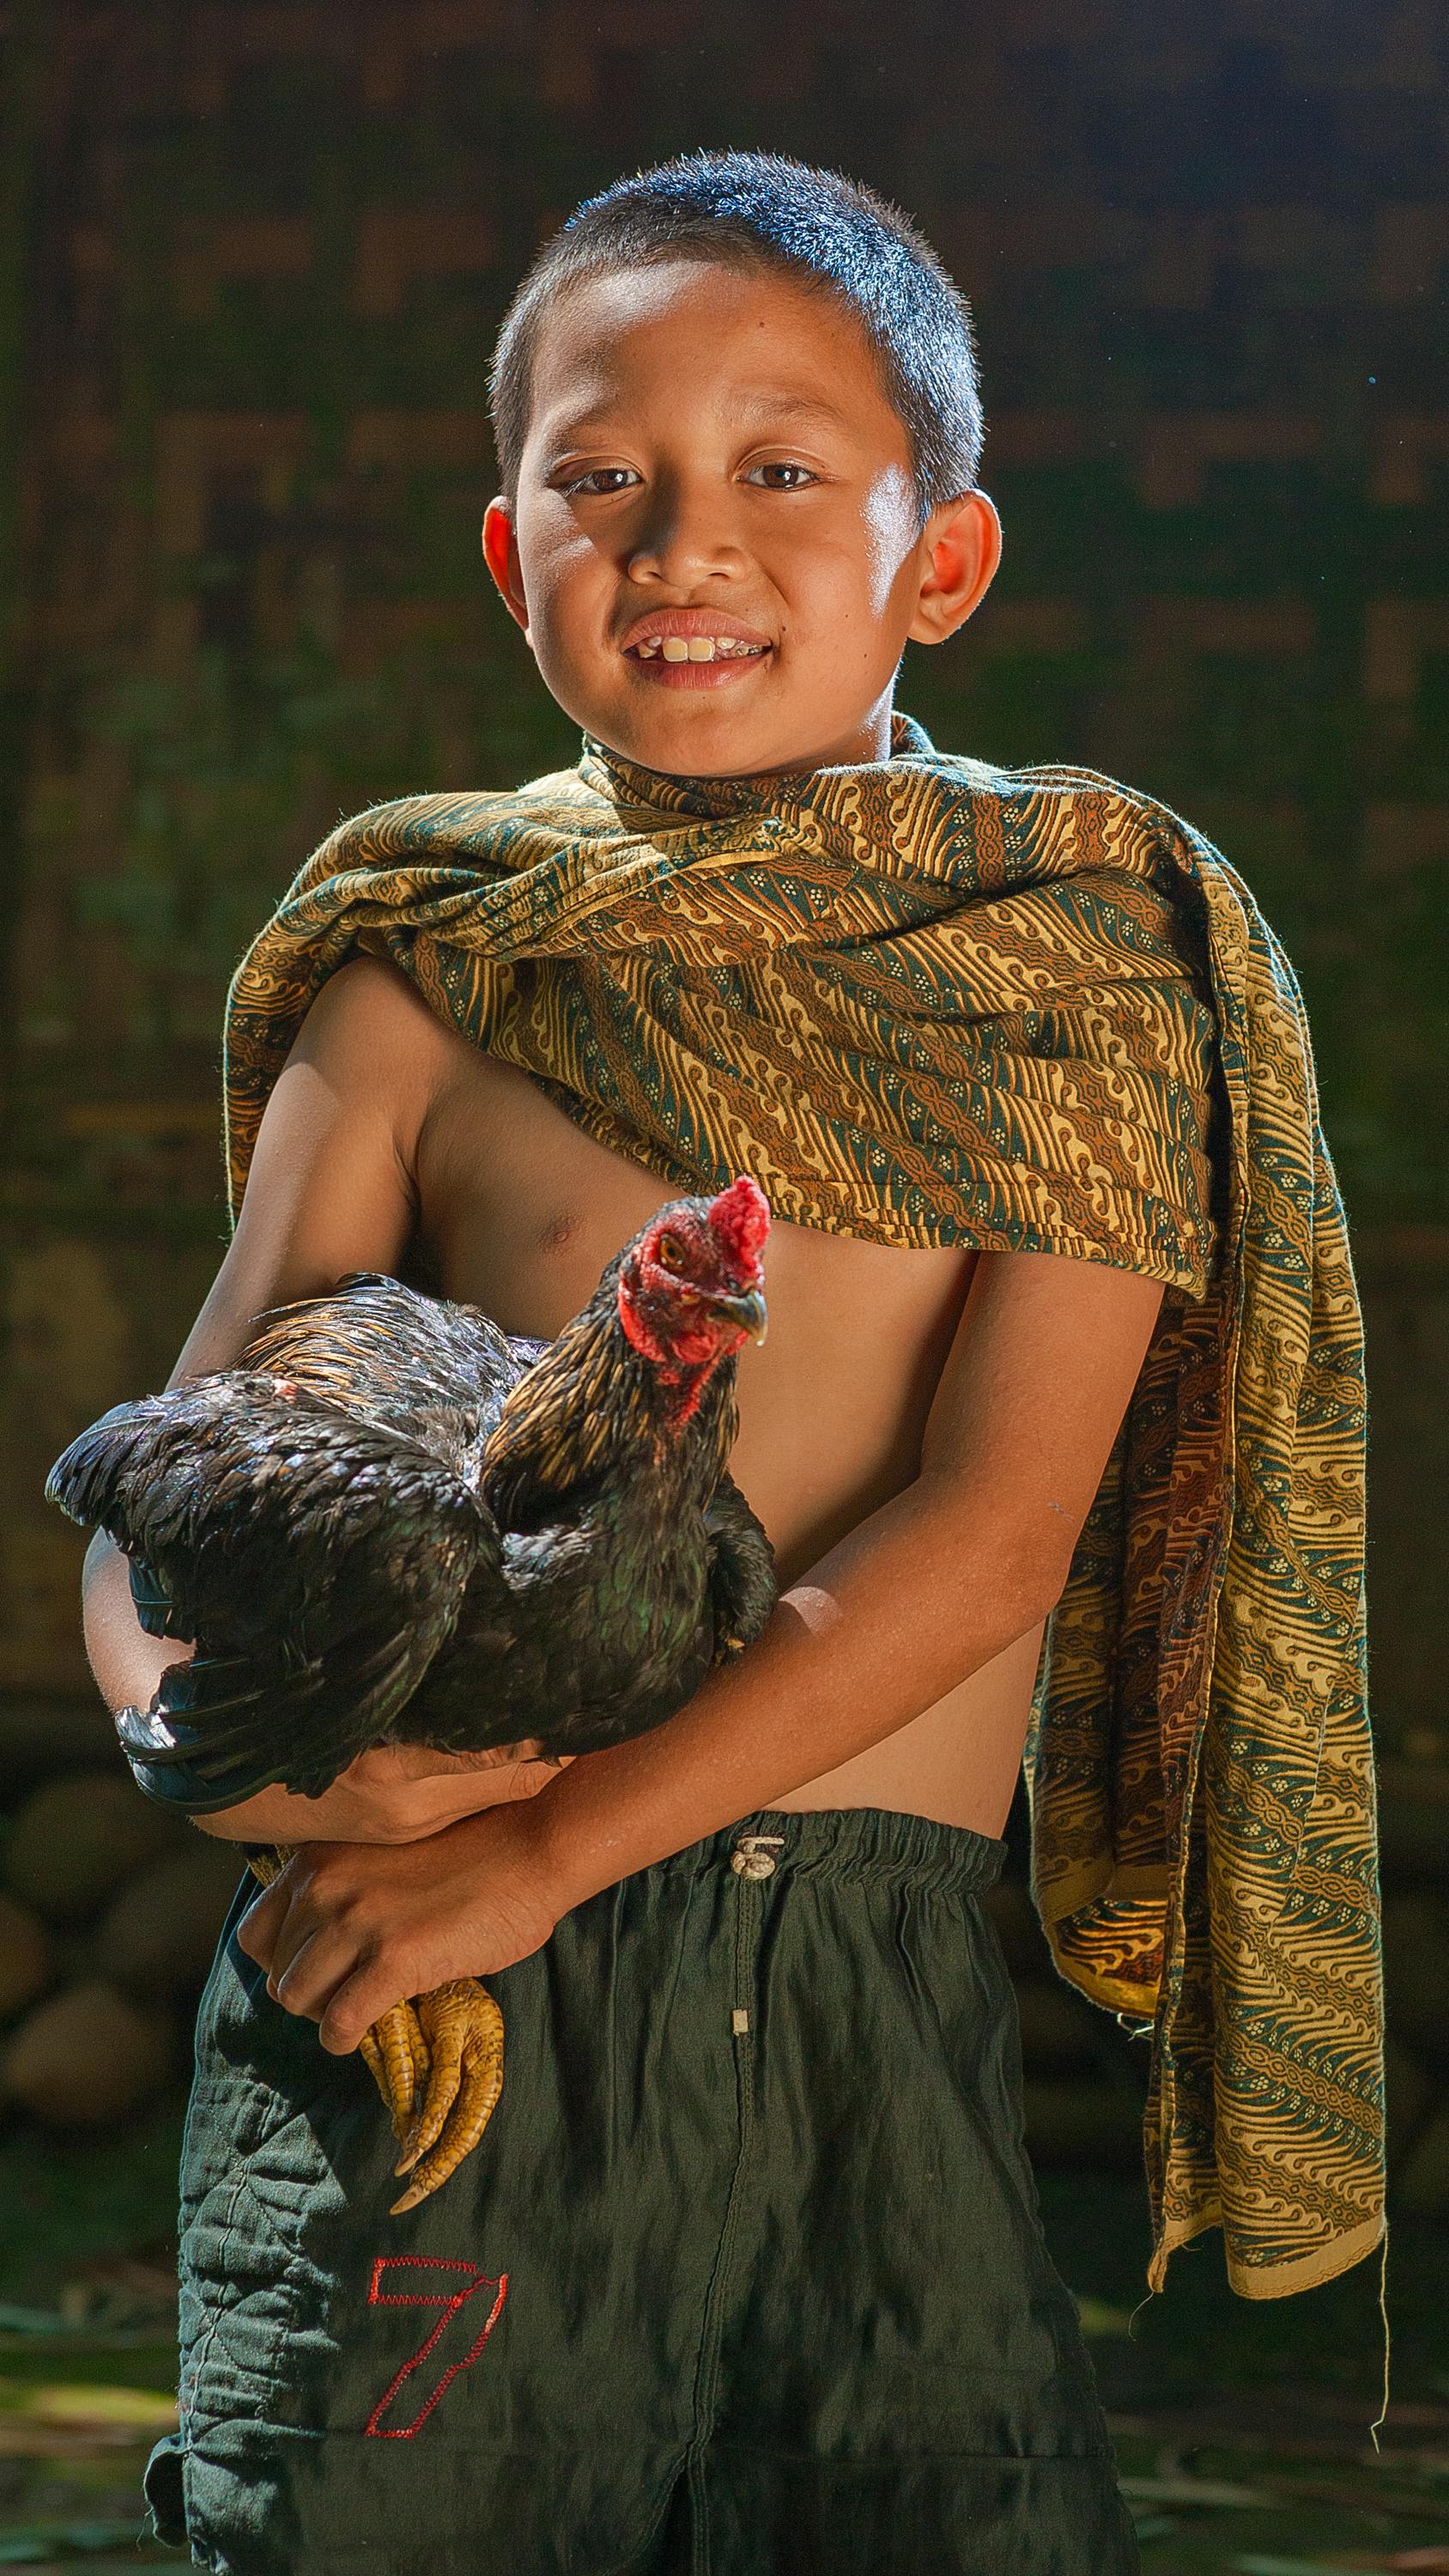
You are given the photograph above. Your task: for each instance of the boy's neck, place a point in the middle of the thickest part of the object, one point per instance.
(870, 740)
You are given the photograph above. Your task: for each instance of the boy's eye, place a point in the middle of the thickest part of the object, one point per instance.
(593, 482)
(784, 465)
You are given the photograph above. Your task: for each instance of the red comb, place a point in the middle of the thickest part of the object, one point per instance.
(740, 1217)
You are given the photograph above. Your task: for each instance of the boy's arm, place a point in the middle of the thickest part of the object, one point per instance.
(329, 1191)
(918, 1597)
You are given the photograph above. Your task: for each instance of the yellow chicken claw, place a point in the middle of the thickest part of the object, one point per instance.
(437, 2061)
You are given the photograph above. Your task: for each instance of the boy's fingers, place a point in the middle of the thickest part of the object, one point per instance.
(317, 1966)
(257, 1931)
(359, 2001)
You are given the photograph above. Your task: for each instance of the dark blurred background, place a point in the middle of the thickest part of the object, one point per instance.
(252, 258)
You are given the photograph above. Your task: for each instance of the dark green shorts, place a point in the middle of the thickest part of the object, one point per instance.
(746, 2278)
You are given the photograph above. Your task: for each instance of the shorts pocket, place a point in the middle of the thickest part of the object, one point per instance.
(162, 2487)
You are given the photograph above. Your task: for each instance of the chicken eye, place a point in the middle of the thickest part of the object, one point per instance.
(669, 1252)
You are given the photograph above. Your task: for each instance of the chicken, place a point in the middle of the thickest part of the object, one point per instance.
(392, 1523)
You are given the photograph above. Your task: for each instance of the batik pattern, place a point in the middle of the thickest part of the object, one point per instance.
(931, 1002)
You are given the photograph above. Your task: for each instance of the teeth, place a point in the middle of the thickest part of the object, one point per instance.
(696, 648)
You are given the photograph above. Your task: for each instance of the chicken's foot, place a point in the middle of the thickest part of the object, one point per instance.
(461, 2029)
(437, 2061)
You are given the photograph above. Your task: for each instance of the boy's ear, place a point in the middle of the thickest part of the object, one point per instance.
(500, 553)
(960, 550)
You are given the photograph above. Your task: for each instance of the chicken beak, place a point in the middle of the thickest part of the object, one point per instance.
(747, 1309)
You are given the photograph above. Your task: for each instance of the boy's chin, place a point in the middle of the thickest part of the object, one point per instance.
(687, 742)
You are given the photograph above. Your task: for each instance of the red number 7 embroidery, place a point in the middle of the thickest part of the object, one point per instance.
(449, 2301)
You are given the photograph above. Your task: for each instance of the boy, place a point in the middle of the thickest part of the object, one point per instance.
(747, 2273)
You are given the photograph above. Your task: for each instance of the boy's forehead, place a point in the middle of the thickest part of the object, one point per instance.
(772, 348)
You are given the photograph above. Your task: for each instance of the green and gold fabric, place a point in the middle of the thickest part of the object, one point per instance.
(932, 1002)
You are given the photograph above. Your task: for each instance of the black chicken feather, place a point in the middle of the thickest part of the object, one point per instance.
(395, 1522)
(437, 1372)
(323, 1561)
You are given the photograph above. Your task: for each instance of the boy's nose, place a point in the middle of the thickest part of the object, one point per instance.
(684, 535)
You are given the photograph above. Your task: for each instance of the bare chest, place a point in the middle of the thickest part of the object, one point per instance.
(520, 1211)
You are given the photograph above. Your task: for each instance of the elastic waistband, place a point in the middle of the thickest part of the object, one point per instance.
(851, 1844)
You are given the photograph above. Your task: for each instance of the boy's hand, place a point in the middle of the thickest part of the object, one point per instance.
(349, 1929)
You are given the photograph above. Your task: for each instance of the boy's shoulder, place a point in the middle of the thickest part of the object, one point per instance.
(1058, 782)
(367, 1025)
(419, 827)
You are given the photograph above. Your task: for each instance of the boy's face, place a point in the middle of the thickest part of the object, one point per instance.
(718, 445)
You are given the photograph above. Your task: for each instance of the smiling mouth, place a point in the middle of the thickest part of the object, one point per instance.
(696, 648)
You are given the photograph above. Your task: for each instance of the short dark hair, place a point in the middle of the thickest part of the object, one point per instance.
(758, 209)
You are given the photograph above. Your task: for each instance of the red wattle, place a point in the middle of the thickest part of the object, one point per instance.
(685, 1364)
(637, 1331)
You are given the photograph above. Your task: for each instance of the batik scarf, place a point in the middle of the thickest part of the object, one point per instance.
(931, 1002)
